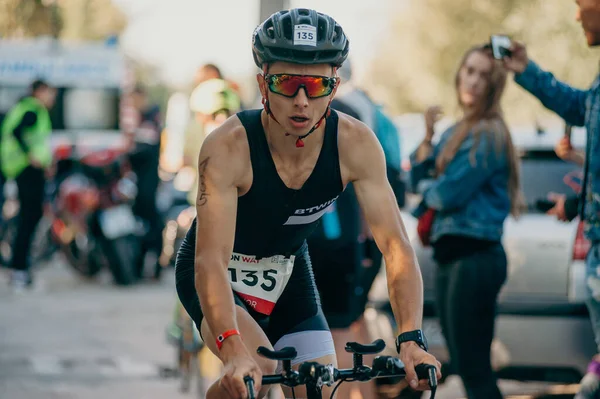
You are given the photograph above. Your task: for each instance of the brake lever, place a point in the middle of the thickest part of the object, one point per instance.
(429, 372)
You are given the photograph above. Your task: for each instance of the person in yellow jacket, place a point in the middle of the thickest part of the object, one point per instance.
(25, 154)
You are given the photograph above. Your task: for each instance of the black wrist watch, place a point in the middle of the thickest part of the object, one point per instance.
(415, 336)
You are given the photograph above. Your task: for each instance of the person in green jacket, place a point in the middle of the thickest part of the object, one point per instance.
(25, 154)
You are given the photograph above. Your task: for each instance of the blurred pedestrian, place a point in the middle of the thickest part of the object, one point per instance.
(211, 71)
(25, 157)
(207, 72)
(144, 160)
(578, 108)
(196, 132)
(372, 115)
(475, 187)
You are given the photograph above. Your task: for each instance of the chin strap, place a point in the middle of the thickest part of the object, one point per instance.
(299, 140)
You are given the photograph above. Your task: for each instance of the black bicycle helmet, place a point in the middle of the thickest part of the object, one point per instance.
(300, 36)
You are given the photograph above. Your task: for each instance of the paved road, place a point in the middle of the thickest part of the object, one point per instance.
(74, 339)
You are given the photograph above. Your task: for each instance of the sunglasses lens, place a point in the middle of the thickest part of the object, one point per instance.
(317, 86)
(288, 85)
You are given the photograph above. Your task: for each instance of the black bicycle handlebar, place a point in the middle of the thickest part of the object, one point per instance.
(315, 375)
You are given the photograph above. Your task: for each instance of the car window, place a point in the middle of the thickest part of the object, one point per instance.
(543, 172)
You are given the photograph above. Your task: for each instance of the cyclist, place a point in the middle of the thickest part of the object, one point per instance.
(265, 179)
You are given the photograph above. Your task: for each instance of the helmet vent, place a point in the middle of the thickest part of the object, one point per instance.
(270, 30)
(286, 24)
(337, 33)
(322, 29)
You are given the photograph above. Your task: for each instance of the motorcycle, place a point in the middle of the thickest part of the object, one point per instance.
(93, 222)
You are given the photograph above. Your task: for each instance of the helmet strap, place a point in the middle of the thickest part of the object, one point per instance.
(265, 99)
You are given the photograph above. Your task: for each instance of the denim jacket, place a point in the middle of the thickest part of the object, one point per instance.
(471, 199)
(578, 108)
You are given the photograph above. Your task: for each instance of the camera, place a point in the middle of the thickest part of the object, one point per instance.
(500, 46)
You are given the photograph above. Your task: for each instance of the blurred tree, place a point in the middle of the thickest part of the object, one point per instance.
(68, 19)
(25, 18)
(429, 39)
(149, 76)
(91, 19)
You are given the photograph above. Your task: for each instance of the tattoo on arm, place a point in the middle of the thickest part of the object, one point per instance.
(202, 194)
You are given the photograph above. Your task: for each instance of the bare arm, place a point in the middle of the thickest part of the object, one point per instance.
(216, 206)
(424, 150)
(364, 163)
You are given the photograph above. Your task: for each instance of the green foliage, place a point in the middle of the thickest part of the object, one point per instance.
(67, 19)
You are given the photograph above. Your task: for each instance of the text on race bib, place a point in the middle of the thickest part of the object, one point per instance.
(259, 283)
(305, 35)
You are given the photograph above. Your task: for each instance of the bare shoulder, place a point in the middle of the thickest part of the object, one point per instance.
(358, 147)
(227, 152)
(227, 139)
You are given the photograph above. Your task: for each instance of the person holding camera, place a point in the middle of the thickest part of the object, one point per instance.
(578, 108)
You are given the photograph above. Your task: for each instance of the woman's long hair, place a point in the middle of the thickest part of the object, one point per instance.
(485, 117)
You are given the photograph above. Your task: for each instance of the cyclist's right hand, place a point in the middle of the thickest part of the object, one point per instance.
(238, 365)
(518, 61)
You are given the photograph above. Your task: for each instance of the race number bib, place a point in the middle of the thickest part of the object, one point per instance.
(260, 282)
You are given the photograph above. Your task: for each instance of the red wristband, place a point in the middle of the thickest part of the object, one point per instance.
(226, 335)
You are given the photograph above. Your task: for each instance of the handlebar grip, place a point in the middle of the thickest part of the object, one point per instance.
(287, 353)
(250, 386)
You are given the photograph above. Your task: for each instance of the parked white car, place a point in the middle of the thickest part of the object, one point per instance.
(543, 330)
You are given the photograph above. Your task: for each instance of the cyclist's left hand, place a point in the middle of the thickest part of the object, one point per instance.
(411, 355)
